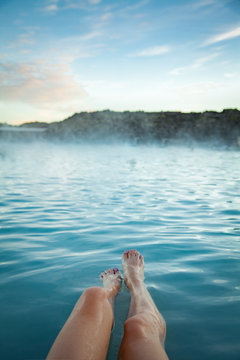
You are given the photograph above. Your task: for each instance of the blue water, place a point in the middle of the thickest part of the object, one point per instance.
(67, 212)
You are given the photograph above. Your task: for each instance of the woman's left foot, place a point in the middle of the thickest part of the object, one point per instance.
(112, 282)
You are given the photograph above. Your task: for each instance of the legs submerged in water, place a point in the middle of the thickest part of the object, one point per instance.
(86, 333)
(145, 329)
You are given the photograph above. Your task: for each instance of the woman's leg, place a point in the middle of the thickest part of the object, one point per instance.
(145, 329)
(86, 333)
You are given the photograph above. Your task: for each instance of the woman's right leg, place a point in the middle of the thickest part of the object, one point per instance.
(145, 329)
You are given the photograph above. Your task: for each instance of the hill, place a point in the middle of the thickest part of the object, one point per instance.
(138, 127)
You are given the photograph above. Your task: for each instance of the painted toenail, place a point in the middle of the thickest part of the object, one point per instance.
(115, 270)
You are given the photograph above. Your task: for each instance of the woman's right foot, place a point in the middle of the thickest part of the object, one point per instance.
(133, 268)
(141, 301)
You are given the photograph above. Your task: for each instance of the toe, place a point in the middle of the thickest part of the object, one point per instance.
(134, 252)
(115, 270)
(141, 260)
(111, 271)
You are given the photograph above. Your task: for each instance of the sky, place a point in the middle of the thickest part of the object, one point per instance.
(59, 57)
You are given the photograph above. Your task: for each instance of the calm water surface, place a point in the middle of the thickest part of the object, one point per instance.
(67, 212)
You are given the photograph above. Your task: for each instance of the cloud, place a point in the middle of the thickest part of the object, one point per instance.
(94, 1)
(153, 51)
(91, 35)
(23, 39)
(105, 17)
(201, 61)
(55, 5)
(177, 71)
(136, 6)
(40, 84)
(198, 63)
(202, 87)
(230, 75)
(203, 3)
(76, 47)
(51, 8)
(223, 36)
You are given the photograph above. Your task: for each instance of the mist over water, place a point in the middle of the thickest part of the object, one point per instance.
(68, 212)
(208, 128)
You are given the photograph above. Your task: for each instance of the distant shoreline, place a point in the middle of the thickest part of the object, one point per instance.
(135, 126)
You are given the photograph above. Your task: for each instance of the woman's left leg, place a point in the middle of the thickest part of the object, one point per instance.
(86, 333)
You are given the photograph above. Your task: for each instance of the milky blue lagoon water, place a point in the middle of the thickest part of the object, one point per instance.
(69, 211)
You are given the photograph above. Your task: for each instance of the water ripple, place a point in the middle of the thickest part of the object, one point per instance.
(69, 215)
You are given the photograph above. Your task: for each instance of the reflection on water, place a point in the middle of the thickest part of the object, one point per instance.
(68, 211)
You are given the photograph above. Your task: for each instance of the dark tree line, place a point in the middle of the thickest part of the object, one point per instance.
(139, 127)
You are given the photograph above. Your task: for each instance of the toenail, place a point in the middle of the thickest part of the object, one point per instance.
(115, 270)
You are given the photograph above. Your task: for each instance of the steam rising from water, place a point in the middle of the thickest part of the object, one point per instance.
(136, 128)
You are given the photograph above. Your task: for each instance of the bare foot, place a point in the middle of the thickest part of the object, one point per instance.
(141, 301)
(133, 268)
(112, 282)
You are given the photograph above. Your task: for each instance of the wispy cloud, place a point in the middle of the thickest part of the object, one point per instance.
(230, 75)
(203, 60)
(136, 6)
(94, 1)
(39, 84)
(153, 51)
(202, 87)
(105, 17)
(177, 71)
(198, 63)
(23, 39)
(53, 6)
(91, 35)
(203, 3)
(72, 48)
(223, 36)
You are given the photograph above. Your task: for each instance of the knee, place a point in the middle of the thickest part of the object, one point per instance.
(137, 327)
(94, 295)
(144, 325)
(93, 303)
